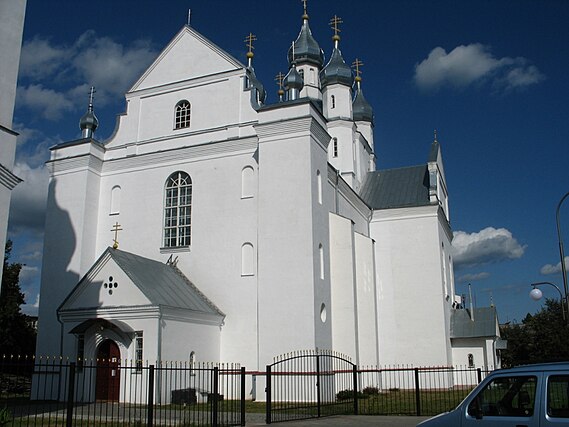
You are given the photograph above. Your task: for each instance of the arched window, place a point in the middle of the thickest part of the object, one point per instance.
(182, 115)
(178, 210)
(247, 182)
(319, 184)
(321, 256)
(332, 101)
(115, 200)
(470, 360)
(247, 260)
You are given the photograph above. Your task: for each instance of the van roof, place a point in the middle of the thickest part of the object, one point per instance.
(554, 366)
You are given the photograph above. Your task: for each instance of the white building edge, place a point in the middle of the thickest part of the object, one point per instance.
(247, 230)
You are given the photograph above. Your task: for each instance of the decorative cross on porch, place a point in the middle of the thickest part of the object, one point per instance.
(116, 228)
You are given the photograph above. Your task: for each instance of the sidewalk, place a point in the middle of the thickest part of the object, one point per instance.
(349, 420)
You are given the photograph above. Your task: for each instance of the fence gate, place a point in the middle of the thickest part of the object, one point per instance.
(311, 384)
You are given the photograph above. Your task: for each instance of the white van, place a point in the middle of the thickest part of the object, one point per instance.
(525, 396)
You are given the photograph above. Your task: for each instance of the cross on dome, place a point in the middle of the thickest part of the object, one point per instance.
(334, 24)
(356, 65)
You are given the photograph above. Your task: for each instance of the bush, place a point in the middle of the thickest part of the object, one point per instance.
(5, 416)
(349, 394)
(370, 391)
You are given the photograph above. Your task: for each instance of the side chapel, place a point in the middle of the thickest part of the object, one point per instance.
(244, 230)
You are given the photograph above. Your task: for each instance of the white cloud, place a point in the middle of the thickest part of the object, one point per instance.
(487, 246)
(48, 103)
(28, 273)
(473, 63)
(57, 77)
(27, 208)
(548, 269)
(467, 278)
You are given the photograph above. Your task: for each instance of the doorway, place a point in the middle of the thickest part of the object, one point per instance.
(108, 372)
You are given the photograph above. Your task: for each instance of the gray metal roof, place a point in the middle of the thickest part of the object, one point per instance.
(306, 48)
(163, 284)
(481, 324)
(336, 71)
(396, 188)
(361, 108)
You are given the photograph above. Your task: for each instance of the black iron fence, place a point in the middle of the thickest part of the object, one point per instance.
(57, 392)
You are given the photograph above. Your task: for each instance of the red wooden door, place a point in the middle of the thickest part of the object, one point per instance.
(108, 373)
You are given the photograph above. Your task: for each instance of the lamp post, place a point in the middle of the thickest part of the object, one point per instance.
(536, 295)
(561, 253)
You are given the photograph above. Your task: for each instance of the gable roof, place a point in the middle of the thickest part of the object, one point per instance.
(483, 323)
(162, 284)
(188, 55)
(396, 188)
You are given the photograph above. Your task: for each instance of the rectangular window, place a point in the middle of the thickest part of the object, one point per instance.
(138, 354)
(558, 396)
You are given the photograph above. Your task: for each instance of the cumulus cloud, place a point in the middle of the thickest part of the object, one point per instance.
(27, 209)
(467, 278)
(474, 63)
(486, 246)
(548, 269)
(56, 77)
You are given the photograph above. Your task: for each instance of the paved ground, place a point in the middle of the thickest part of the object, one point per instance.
(349, 420)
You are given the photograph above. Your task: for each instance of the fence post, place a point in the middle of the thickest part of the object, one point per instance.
(355, 377)
(479, 373)
(214, 406)
(417, 392)
(243, 396)
(318, 401)
(268, 395)
(70, 395)
(150, 402)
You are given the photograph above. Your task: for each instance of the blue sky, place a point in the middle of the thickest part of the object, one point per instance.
(489, 75)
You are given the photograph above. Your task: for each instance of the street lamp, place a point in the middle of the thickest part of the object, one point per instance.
(561, 253)
(536, 294)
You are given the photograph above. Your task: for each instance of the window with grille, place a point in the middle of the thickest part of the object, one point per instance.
(178, 210)
(138, 350)
(182, 118)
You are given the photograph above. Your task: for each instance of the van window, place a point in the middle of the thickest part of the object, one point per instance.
(558, 396)
(505, 397)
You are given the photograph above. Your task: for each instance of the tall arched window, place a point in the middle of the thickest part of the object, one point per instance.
(332, 101)
(334, 147)
(178, 210)
(182, 115)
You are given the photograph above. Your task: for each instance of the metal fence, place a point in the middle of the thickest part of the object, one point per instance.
(56, 392)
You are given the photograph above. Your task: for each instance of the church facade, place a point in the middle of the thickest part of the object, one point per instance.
(212, 226)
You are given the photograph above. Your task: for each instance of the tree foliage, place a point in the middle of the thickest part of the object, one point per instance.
(541, 337)
(18, 337)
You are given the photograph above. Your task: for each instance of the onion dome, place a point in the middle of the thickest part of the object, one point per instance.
(305, 48)
(89, 122)
(293, 83)
(336, 71)
(362, 110)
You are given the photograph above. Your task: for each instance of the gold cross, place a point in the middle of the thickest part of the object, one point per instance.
(357, 64)
(116, 228)
(334, 24)
(279, 79)
(249, 43)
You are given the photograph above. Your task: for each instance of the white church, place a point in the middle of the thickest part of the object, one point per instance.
(213, 226)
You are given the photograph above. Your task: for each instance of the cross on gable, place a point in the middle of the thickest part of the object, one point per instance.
(116, 228)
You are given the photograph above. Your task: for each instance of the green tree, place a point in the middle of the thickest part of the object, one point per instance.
(18, 337)
(542, 337)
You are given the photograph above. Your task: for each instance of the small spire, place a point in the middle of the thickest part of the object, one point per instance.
(334, 24)
(435, 140)
(279, 79)
(89, 122)
(249, 43)
(189, 16)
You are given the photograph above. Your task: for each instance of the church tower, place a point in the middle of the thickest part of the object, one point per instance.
(306, 55)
